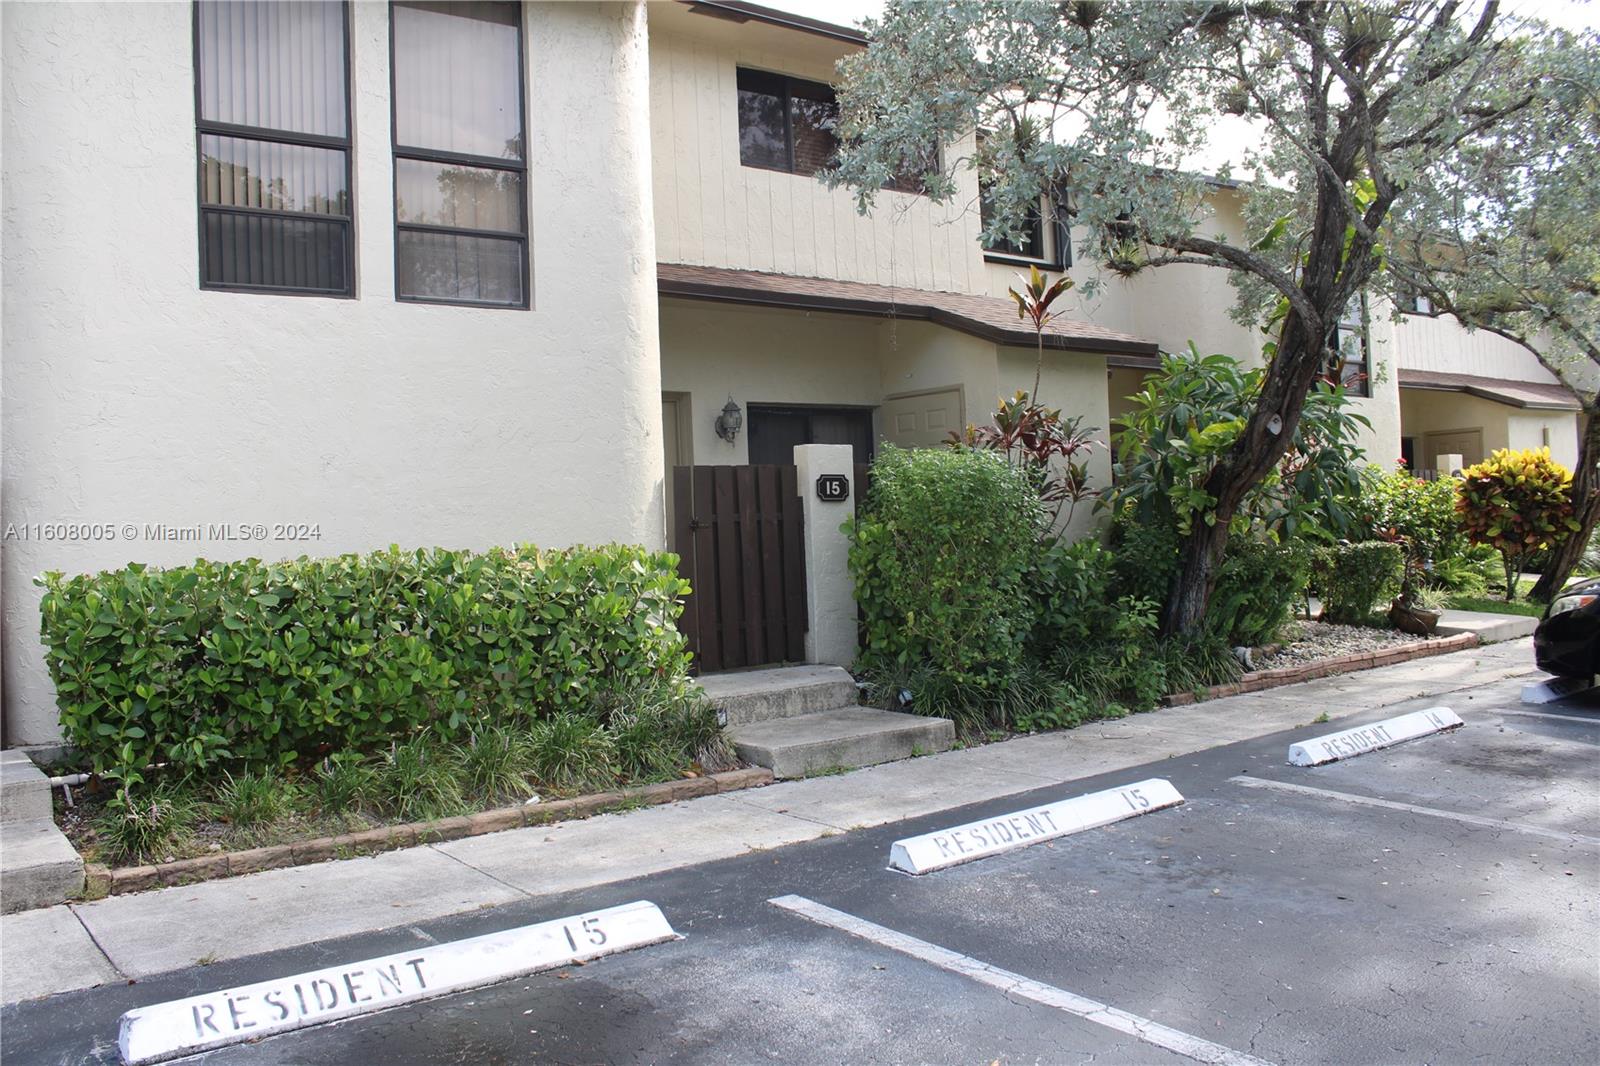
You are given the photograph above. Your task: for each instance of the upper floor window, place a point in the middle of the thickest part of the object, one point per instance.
(1045, 243)
(1413, 302)
(460, 158)
(786, 123)
(1349, 350)
(272, 119)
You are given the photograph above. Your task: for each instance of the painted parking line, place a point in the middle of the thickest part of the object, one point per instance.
(230, 1016)
(1007, 832)
(1348, 743)
(1412, 808)
(1016, 986)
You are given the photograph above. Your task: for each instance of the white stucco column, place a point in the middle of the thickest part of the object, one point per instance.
(830, 594)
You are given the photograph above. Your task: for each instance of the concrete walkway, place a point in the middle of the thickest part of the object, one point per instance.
(130, 937)
(1489, 627)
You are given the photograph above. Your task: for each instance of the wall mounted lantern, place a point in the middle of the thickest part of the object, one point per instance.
(730, 421)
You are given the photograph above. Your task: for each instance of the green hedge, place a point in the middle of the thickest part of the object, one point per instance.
(1356, 579)
(942, 558)
(262, 663)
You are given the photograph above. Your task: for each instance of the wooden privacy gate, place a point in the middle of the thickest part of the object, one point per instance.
(737, 533)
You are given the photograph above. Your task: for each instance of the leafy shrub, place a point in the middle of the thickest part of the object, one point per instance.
(1518, 503)
(1257, 588)
(941, 561)
(1071, 591)
(1144, 556)
(1421, 515)
(260, 663)
(1354, 579)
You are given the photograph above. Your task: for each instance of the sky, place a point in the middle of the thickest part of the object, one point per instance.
(1573, 14)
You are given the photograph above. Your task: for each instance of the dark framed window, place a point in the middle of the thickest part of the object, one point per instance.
(460, 153)
(272, 131)
(1045, 240)
(786, 123)
(1043, 243)
(790, 124)
(1349, 349)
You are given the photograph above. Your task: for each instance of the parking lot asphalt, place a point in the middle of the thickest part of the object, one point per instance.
(1437, 902)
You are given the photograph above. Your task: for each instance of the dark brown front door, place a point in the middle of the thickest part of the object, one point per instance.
(774, 431)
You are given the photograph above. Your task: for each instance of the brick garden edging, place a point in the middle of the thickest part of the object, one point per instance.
(102, 881)
(1341, 664)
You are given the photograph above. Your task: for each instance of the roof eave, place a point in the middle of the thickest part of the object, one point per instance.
(700, 290)
(740, 11)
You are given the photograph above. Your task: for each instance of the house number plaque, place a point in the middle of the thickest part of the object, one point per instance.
(833, 488)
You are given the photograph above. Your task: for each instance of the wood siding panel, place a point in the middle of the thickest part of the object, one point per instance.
(712, 211)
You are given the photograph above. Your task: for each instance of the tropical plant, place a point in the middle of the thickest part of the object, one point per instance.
(1418, 515)
(1352, 112)
(1517, 502)
(1033, 304)
(1188, 417)
(1050, 449)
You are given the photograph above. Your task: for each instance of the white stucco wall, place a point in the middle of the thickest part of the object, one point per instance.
(131, 396)
(714, 352)
(1077, 385)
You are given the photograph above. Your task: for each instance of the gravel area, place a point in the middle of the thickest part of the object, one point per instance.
(1309, 642)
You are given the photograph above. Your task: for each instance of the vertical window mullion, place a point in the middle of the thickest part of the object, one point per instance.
(788, 123)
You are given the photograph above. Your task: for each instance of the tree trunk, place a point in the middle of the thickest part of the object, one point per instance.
(1586, 501)
(1295, 369)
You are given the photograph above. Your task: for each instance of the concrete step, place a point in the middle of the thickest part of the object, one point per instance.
(781, 692)
(847, 737)
(38, 866)
(24, 789)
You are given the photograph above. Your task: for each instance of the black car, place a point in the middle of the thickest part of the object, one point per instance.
(1567, 642)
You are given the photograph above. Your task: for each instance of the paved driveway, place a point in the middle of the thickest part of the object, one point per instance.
(1438, 902)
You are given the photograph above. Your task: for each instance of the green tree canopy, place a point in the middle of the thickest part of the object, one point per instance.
(1345, 113)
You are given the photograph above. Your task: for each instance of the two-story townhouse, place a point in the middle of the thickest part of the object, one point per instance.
(419, 273)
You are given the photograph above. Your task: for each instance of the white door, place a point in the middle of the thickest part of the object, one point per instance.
(922, 419)
(1467, 443)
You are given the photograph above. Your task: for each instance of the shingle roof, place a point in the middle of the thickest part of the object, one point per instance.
(1513, 393)
(993, 318)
